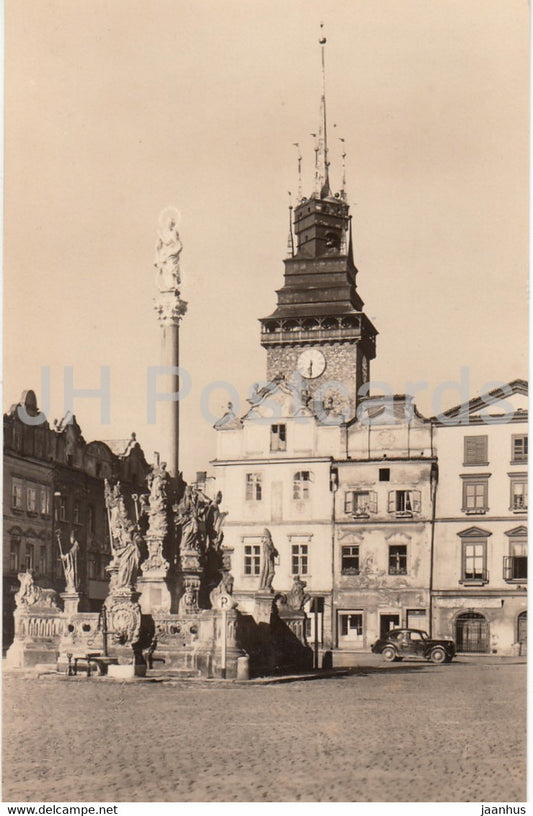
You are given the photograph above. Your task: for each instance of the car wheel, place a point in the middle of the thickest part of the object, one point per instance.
(438, 655)
(389, 653)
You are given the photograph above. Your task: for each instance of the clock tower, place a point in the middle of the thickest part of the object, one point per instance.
(319, 330)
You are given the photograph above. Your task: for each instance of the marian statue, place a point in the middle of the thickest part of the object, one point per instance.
(125, 540)
(168, 251)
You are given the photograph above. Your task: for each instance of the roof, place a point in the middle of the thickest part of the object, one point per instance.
(488, 398)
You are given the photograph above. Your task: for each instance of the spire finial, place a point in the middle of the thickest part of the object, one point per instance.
(343, 154)
(323, 174)
(297, 144)
(290, 242)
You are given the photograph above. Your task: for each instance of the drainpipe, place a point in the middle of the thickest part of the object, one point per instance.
(334, 484)
(434, 481)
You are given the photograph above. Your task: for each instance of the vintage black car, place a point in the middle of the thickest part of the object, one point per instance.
(401, 643)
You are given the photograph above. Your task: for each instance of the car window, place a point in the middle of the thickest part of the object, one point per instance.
(417, 636)
(393, 635)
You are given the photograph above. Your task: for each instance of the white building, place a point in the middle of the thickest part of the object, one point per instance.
(480, 552)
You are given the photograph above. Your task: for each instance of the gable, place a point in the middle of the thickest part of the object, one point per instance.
(509, 401)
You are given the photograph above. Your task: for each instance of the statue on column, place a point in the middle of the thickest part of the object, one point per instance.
(268, 557)
(168, 251)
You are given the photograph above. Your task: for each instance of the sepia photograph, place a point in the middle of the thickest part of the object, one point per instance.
(265, 395)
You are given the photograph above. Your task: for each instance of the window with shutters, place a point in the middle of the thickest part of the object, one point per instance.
(475, 495)
(278, 438)
(519, 449)
(476, 450)
(360, 503)
(404, 503)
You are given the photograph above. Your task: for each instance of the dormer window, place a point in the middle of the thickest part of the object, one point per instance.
(278, 438)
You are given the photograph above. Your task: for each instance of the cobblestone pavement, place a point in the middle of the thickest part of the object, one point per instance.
(398, 732)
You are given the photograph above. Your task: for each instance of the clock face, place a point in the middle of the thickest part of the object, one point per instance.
(311, 363)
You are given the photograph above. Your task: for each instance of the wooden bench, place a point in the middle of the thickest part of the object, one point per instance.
(101, 662)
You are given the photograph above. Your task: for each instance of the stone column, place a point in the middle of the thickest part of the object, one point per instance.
(170, 309)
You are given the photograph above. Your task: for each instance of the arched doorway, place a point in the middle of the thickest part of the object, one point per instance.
(472, 633)
(522, 633)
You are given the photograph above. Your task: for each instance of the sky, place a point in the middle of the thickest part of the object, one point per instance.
(117, 109)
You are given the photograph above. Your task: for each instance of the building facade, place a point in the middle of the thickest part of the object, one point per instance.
(480, 561)
(54, 489)
(384, 513)
(384, 506)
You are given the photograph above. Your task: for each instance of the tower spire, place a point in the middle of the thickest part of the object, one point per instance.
(323, 188)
